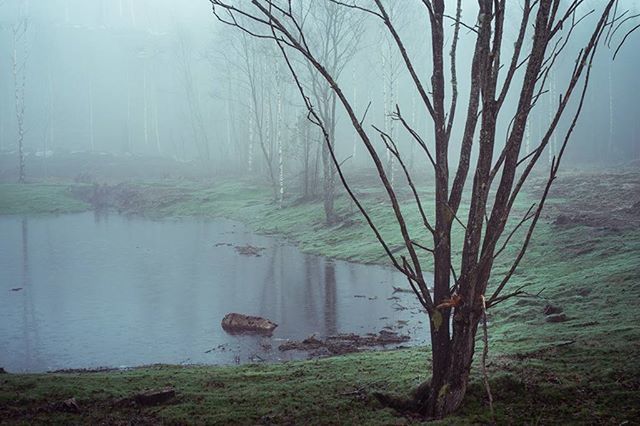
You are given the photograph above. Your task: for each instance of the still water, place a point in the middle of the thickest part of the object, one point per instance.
(88, 291)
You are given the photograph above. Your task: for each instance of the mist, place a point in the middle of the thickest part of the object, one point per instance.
(130, 78)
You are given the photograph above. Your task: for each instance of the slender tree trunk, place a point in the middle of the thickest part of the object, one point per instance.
(550, 111)
(527, 142)
(306, 166)
(250, 149)
(316, 171)
(279, 121)
(129, 147)
(610, 140)
(355, 105)
(48, 140)
(328, 167)
(269, 150)
(328, 187)
(20, 107)
(156, 126)
(92, 139)
(145, 108)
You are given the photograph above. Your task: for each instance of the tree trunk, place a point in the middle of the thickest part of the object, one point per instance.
(92, 137)
(451, 366)
(329, 169)
(328, 187)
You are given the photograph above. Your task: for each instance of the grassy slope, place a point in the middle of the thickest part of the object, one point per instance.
(579, 370)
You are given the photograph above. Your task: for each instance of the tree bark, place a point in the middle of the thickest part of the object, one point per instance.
(451, 383)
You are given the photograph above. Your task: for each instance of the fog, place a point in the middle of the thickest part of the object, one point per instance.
(167, 79)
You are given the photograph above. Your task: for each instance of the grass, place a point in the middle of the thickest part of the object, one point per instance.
(549, 387)
(579, 371)
(38, 199)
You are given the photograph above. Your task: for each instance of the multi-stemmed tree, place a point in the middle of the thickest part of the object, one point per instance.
(505, 81)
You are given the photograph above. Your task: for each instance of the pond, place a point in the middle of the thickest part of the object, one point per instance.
(93, 290)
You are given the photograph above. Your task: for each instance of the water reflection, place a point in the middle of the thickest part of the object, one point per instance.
(107, 290)
(330, 320)
(30, 334)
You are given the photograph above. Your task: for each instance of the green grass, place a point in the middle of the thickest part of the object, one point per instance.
(38, 199)
(583, 370)
(553, 387)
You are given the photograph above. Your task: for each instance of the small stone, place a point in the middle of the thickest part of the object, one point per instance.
(155, 396)
(562, 220)
(551, 310)
(3, 371)
(584, 291)
(70, 405)
(556, 318)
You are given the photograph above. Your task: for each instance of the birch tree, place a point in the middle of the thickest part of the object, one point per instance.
(19, 72)
(334, 33)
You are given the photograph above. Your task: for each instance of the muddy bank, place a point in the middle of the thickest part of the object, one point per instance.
(606, 201)
(128, 198)
(341, 344)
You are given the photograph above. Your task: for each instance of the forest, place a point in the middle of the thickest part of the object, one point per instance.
(319, 212)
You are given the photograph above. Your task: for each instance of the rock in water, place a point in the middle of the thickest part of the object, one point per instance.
(239, 323)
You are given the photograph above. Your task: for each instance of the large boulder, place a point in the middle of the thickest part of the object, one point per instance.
(239, 323)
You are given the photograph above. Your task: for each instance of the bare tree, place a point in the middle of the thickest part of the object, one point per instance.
(18, 68)
(461, 293)
(333, 34)
(198, 126)
(308, 145)
(251, 58)
(391, 67)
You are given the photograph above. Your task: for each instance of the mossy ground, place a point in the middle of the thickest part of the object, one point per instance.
(583, 370)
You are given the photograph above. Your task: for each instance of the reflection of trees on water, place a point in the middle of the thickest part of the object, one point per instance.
(282, 307)
(330, 314)
(269, 287)
(309, 305)
(29, 325)
(310, 275)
